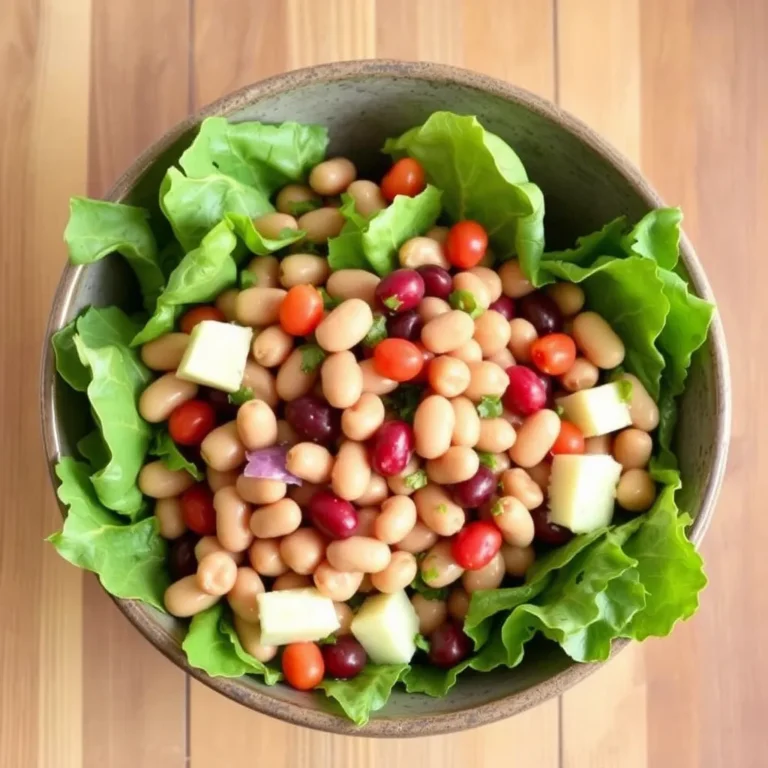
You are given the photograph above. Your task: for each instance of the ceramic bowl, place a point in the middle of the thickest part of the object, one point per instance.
(585, 182)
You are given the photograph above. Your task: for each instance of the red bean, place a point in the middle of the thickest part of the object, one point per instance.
(437, 281)
(547, 532)
(504, 306)
(449, 645)
(400, 291)
(391, 448)
(407, 325)
(181, 556)
(542, 313)
(546, 381)
(345, 658)
(526, 392)
(313, 419)
(332, 515)
(471, 493)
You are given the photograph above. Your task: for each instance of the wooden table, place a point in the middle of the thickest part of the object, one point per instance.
(681, 86)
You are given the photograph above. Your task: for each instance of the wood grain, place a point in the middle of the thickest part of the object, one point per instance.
(134, 701)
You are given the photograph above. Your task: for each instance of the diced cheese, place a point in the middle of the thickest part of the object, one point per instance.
(216, 355)
(597, 411)
(582, 489)
(386, 626)
(295, 616)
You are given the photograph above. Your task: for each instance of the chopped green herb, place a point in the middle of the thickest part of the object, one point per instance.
(301, 207)
(378, 331)
(421, 642)
(489, 407)
(466, 302)
(247, 279)
(487, 459)
(442, 509)
(625, 390)
(416, 480)
(329, 302)
(356, 600)
(559, 410)
(243, 395)
(404, 401)
(430, 573)
(329, 640)
(393, 303)
(497, 509)
(312, 357)
(418, 584)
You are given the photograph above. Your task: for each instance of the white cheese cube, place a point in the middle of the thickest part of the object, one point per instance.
(386, 626)
(597, 411)
(582, 489)
(216, 355)
(295, 616)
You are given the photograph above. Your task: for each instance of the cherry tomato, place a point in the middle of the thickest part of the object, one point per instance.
(301, 310)
(554, 353)
(423, 376)
(303, 665)
(191, 422)
(197, 510)
(405, 177)
(466, 244)
(476, 544)
(397, 359)
(196, 315)
(570, 439)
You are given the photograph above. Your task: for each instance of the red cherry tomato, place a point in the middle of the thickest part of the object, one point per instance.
(554, 353)
(405, 177)
(423, 376)
(466, 244)
(196, 315)
(301, 310)
(397, 359)
(476, 544)
(197, 510)
(191, 422)
(303, 665)
(570, 439)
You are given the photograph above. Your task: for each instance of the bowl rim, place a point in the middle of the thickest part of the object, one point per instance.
(508, 704)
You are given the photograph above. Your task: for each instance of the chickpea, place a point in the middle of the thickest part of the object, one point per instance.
(344, 326)
(163, 396)
(636, 491)
(431, 307)
(396, 520)
(466, 422)
(272, 347)
(165, 353)
(421, 251)
(242, 596)
(266, 271)
(367, 196)
(333, 176)
(581, 375)
(438, 568)
(293, 381)
(431, 613)
(420, 539)
(518, 483)
(514, 521)
(469, 352)
(185, 598)
(358, 553)
(447, 332)
(216, 573)
(337, 585)
(456, 465)
(517, 560)
(261, 382)
(221, 448)
(513, 282)
(232, 518)
(271, 225)
(170, 521)
(322, 224)
(496, 435)
(569, 297)
(486, 380)
(158, 482)
(598, 341)
(437, 511)
(458, 604)
(522, 334)
(535, 438)
(342, 379)
(353, 284)
(433, 425)
(448, 376)
(258, 306)
(489, 576)
(351, 471)
(303, 550)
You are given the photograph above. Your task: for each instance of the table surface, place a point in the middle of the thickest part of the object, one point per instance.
(680, 86)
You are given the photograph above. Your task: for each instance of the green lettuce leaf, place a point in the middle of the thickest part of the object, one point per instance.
(97, 228)
(482, 179)
(165, 449)
(256, 242)
(656, 236)
(265, 157)
(605, 242)
(212, 645)
(92, 448)
(201, 276)
(366, 693)
(129, 559)
(68, 364)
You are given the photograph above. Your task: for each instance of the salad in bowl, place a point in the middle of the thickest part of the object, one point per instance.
(368, 433)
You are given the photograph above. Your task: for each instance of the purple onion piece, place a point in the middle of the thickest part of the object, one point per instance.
(269, 464)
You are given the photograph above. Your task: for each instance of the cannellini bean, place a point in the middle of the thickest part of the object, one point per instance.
(293, 195)
(489, 576)
(492, 333)
(490, 279)
(535, 438)
(303, 550)
(351, 471)
(448, 376)
(367, 196)
(632, 448)
(163, 396)
(456, 465)
(514, 521)
(353, 284)
(271, 225)
(293, 381)
(170, 521)
(433, 425)
(431, 307)
(321, 224)
(222, 448)
(261, 382)
(421, 251)
(332, 177)
(467, 281)
(396, 520)
(242, 596)
(158, 482)
(466, 422)
(513, 282)
(361, 420)
(486, 380)
(438, 568)
(250, 638)
(458, 604)
(437, 510)
(165, 353)
(303, 269)
(518, 483)
(216, 573)
(373, 382)
(420, 539)
(581, 375)
(569, 297)
(272, 347)
(643, 411)
(232, 518)
(337, 585)
(259, 306)
(185, 598)
(310, 462)
(277, 519)
(636, 491)
(397, 575)
(358, 553)
(344, 326)
(291, 580)
(209, 544)
(431, 613)
(517, 560)
(496, 435)
(469, 352)
(256, 425)
(600, 344)
(342, 379)
(522, 334)
(259, 490)
(265, 557)
(375, 492)
(447, 332)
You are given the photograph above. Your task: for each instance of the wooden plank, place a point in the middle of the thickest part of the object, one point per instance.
(704, 86)
(44, 48)
(135, 701)
(603, 719)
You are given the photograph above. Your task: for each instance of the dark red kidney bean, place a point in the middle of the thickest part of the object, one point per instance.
(345, 658)
(448, 645)
(548, 383)
(475, 491)
(547, 532)
(437, 281)
(542, 312)
(504, 306)
(400, 291)
(391, 448)
(526, 392)
(313, 419)
(225, 411)
(181, 556)
(332, 515)
(408, 325)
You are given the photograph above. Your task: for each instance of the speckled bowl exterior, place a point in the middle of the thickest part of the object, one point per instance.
(585, 183)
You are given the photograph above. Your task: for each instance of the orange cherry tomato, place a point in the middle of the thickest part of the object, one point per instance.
(570, 439)
(303, 665)
(397, 359)
(466, 244)
(405, 177)
(196, 315)
(301, 310)
(554, 353)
